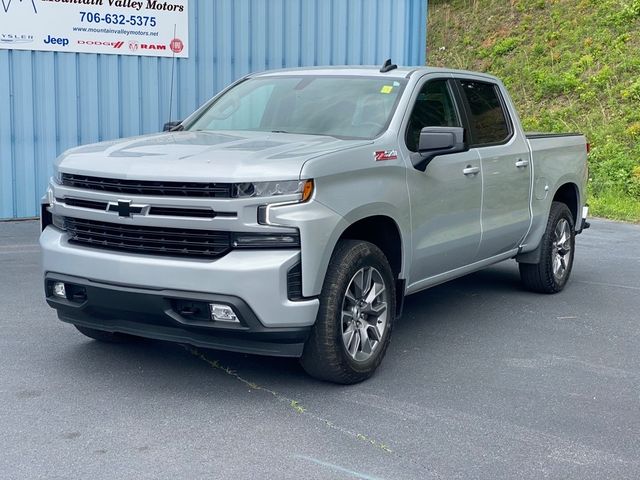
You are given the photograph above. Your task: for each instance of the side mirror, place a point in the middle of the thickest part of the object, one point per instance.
(169, 126)
(436, 141)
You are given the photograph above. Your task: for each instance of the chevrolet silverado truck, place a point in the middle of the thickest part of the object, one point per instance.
(292, 213)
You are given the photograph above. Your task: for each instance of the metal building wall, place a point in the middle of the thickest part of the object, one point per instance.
(51, 101)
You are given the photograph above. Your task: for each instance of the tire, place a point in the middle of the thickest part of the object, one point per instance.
(557, 250)
(350, 338)
(103, 336)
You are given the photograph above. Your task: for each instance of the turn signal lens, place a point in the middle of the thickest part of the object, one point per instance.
(307, 190)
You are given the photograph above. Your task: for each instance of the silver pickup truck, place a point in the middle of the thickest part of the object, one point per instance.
(292, 213)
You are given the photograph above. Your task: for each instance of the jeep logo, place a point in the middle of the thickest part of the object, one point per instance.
(56, 41)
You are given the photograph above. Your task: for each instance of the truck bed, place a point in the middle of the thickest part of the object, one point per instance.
(556, 159)
(535, 135)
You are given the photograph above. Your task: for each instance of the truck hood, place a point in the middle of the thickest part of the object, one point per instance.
(228, 156)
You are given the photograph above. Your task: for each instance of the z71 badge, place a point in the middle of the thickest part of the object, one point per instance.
(381, 155)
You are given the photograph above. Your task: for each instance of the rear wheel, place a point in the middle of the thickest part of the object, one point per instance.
(102, 336)
(355, 319)
(557, 247)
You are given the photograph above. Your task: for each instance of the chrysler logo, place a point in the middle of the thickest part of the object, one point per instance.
(124, 208)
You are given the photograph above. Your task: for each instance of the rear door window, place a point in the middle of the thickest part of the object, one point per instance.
(487, 116)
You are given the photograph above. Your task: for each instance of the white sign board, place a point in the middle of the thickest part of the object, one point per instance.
(122, 27)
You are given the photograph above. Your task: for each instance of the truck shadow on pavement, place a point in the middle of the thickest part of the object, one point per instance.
(453, 309)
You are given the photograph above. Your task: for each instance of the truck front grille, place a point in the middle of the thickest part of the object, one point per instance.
(148, 240)
(153, 211)
(145, 187)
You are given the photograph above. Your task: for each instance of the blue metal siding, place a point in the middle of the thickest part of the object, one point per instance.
(51, 101)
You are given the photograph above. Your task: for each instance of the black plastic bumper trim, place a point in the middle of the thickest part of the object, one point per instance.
(153, 314)
(46, 218)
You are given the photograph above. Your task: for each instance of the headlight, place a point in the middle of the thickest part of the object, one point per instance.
(57, 176)
(58, 221)
(266, 240)
(272, 189)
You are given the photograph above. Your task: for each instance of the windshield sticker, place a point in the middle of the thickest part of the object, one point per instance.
(381, 155)
(386, 89)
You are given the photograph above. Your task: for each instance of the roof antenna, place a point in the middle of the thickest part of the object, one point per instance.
(388, 66)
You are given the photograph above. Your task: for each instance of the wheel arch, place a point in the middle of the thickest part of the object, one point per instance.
(384, 232)
(569, 194)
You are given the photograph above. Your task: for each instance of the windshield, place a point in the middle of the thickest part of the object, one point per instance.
(344, 107)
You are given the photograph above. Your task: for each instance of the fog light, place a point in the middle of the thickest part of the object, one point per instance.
(222, 313)
(59, 290)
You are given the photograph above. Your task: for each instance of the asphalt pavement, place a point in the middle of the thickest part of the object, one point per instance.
(482, 381)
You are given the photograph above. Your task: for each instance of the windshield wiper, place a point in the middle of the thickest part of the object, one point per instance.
(308, 133)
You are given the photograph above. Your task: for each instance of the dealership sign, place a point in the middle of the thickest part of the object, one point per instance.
(122, 27)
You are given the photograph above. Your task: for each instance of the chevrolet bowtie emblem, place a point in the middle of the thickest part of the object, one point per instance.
(124, 208)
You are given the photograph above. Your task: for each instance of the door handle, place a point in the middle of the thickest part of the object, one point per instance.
(471, 170)
(522, 163)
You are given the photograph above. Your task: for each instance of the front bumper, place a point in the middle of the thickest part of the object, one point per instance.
(170, 315)
(258, 278)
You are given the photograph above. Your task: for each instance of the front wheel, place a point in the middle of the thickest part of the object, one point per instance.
(355, 319)
(557, 247)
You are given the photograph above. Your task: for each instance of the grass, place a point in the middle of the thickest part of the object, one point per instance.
(615, 206)
(570, 65)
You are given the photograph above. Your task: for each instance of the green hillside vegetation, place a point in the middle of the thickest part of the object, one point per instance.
(570, 65)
